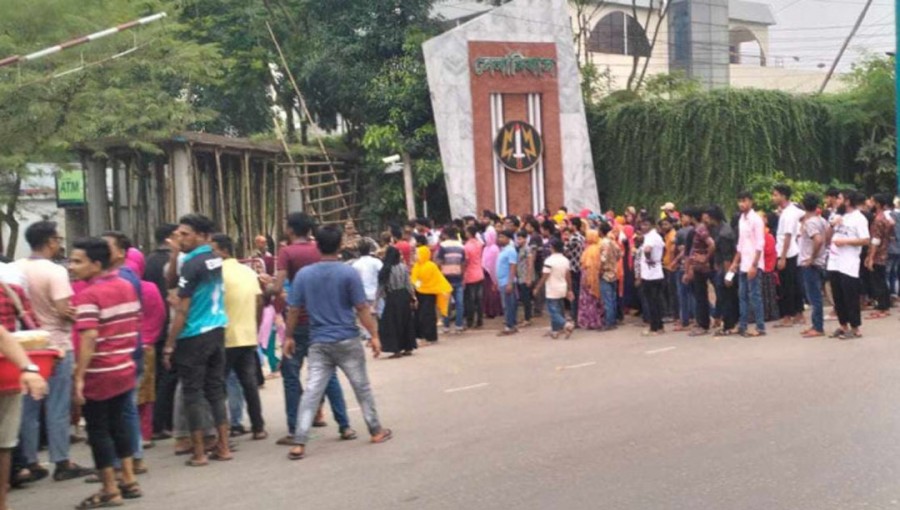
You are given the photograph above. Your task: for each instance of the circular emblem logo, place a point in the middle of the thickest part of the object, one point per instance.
(519, 146)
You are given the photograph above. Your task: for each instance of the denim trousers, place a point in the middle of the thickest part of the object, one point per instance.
(108, 429)
(459, 301)
(510, 306)
(473, 304)
(293, 390)
(813, 280)
(556, 308)
(750, 292)
(686, 303)
(609, 291)
(324, 360)
(58, 404)
(235, 400)
(893, 269)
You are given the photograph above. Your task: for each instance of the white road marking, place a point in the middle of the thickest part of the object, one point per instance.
(466, 388)
(658, 351)
(580, 365)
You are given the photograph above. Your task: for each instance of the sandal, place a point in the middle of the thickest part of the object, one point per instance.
(260, 436)
(699, 332)
(101, 500)
(348, 434)
(216, 456)
(130, 490)
(811, 333)
(287, 441)
(383, 436)
(753, 334)
(293, 455)
(838, 333)
(196, 463)
(724, 332)
(877, 315)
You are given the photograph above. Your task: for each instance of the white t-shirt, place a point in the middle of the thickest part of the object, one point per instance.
(789, 223)
(368, 268)
(653, 241)
(846, 259)
(557, 266)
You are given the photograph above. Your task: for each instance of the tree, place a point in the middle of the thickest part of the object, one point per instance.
(146, 92)
(639, 71)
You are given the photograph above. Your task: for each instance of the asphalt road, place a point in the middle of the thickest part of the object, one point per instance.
(600, 421)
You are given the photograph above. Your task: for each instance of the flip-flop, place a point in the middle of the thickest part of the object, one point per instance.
(287, 441)
(387, 435)
(196, 463)
(261, 435)
(701, 332)
(218, 458)
(812, 334)
(348, 435)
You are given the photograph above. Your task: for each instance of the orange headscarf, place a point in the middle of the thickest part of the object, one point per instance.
(590, 263)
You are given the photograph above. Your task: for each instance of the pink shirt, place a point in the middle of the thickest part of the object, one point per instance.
(153, 313)
(474, 270)
(134, 259)
(751, 239)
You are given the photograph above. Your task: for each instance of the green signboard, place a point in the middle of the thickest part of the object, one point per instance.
(70, 188)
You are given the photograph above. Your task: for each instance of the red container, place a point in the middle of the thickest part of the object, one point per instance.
(10, 372)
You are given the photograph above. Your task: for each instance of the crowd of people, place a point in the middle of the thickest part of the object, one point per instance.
(174, 344)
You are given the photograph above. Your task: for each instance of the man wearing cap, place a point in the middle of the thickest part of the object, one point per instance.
(668, 211)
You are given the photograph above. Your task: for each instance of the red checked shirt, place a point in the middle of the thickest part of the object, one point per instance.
(109, 305)
(9, 315)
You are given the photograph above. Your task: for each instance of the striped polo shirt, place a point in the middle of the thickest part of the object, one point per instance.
(109, 305)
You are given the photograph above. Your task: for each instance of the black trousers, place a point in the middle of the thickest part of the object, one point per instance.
(846, 291)
(576, 291)
(473, 299)
(654, 293)
(166, 383)
(728, 301)
(671, 295)
(790, 296)
(701, 295)
(244, 362)
(880, 291)
(109, 433)
(200, 363)
(526, 299)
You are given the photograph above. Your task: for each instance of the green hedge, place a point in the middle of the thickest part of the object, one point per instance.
(704, 148)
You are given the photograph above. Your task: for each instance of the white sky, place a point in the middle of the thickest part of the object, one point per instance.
(813, 31)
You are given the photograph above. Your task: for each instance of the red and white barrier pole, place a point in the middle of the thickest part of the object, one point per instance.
(81, 40)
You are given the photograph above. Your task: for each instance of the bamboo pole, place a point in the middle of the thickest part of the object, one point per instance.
(222, 218)
(264, 217)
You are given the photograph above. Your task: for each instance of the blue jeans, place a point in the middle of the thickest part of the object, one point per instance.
(510, 306)
(751, 296)
(235, 400)
(893, 268)
(686, 302)
(813, 278)
(58, 405)
(556, 307)
(609, 291)
(458, 298)
(293, 390)
(134, 422)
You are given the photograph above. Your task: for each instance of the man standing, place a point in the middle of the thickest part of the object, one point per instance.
(300, 253)
(11, 404)
(684, 240)
(849, 233)
(652, 277)
(610, 254)
(557, 278)
(263, 254)
(47, 284)
(196, 342)
(333, 296)
(451, 258)
(108, 323)
(506, 280)
(668, 233)
(812, 259)
(525, 274)
(791, 303)
(749, 261)
(166, 381)
(573, 251)
(473, 279)
(243, 304)
(876, 262)
(723, 279)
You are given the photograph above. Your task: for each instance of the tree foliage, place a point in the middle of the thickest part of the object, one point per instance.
(704, 148)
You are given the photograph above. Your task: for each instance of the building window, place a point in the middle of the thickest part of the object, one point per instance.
(619, 34)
